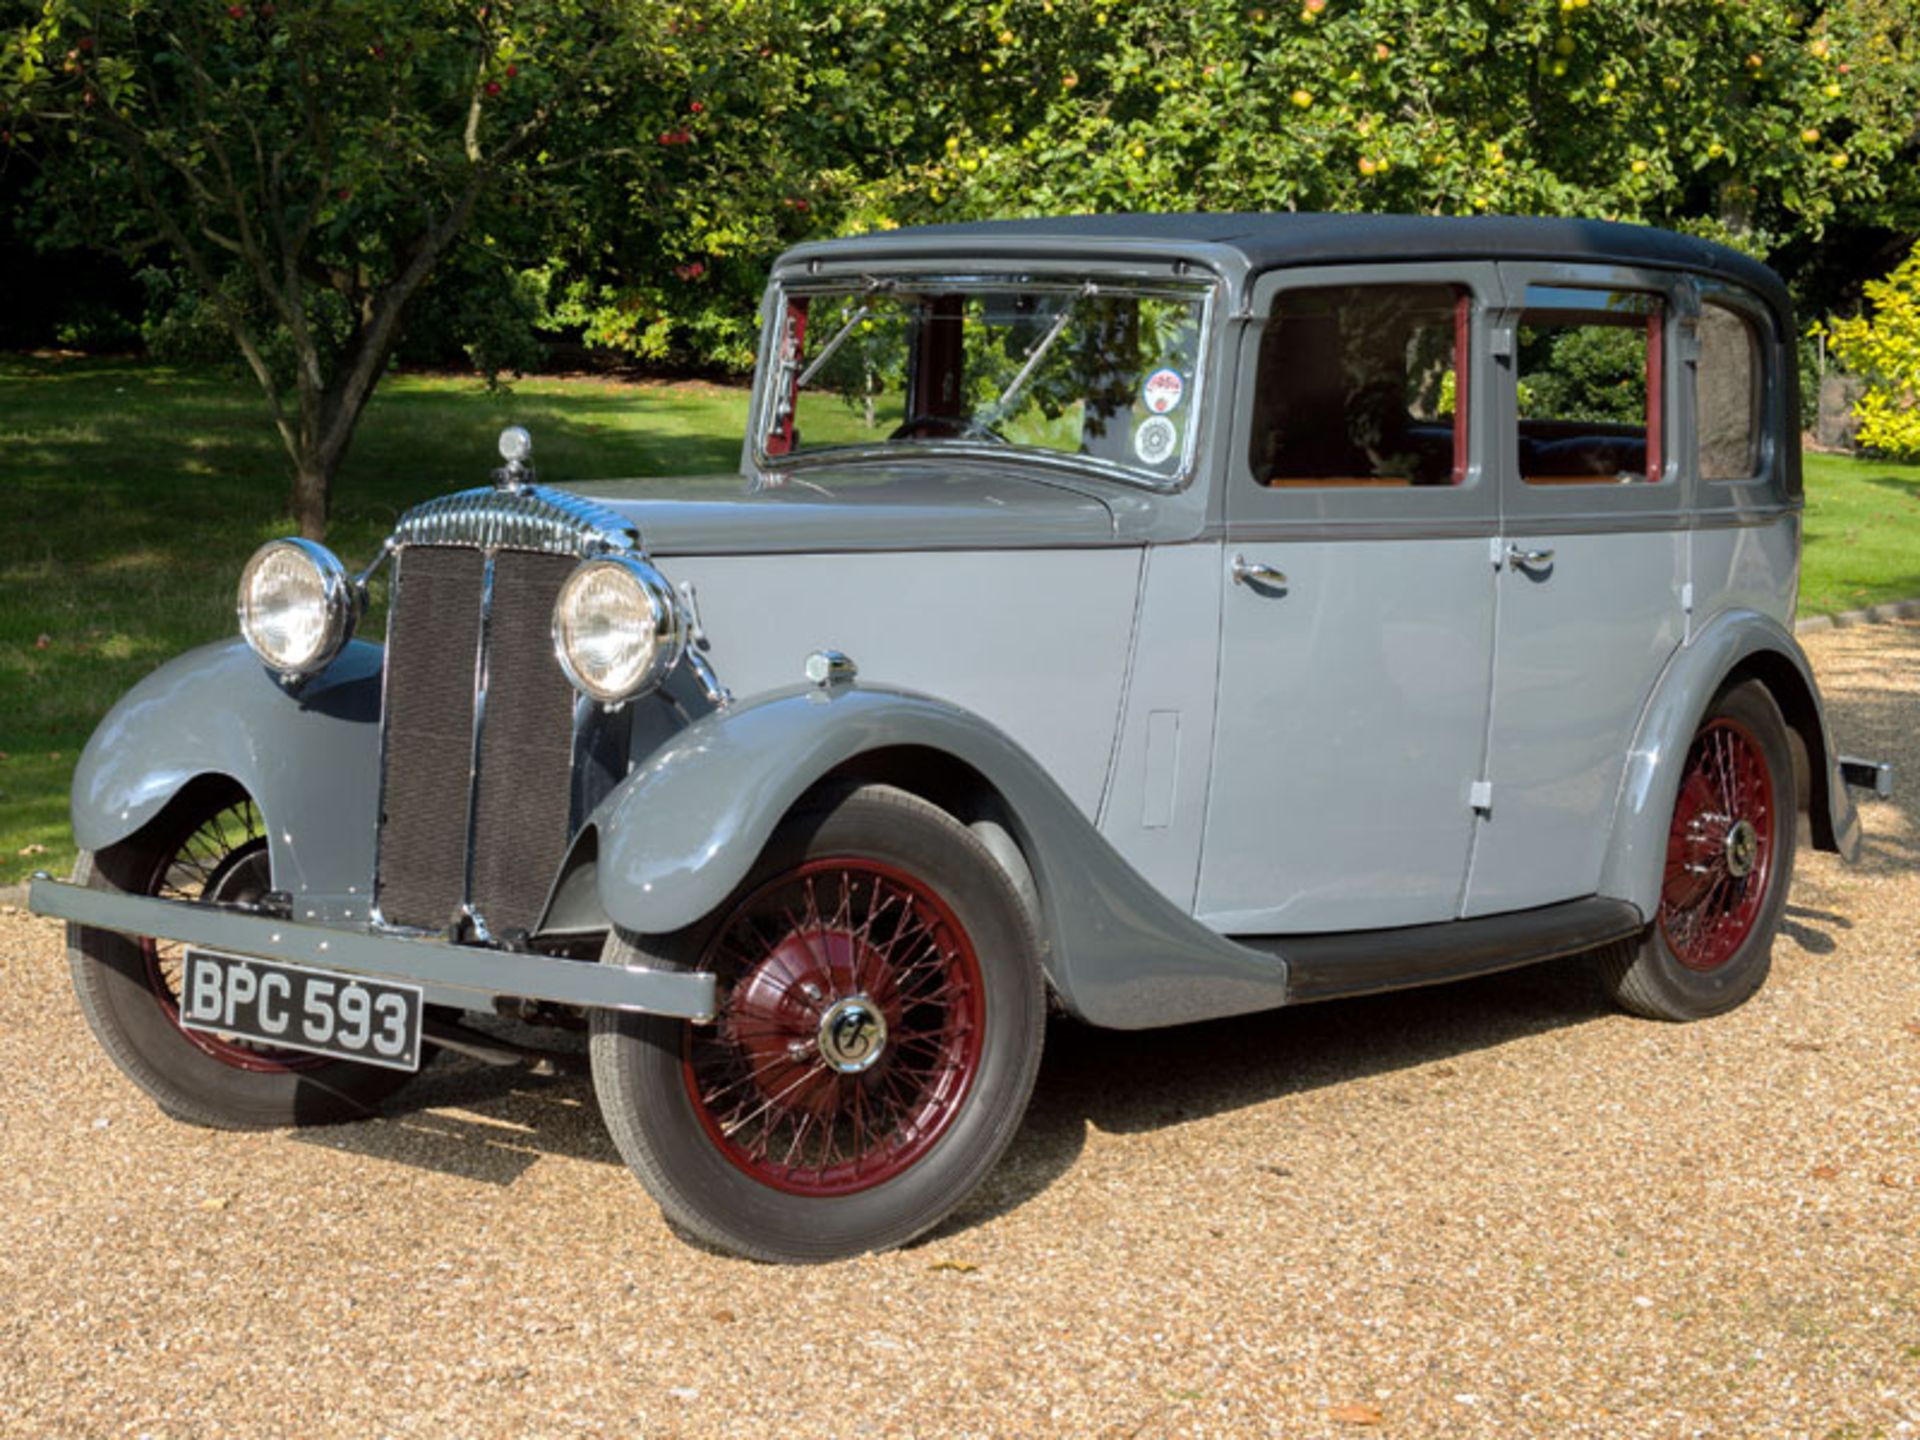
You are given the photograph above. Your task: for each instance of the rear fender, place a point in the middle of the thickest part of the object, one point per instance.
(310, 758)
(1735, 645)
(678, 836)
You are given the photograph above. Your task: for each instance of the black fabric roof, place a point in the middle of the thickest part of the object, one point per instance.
(1264, 241)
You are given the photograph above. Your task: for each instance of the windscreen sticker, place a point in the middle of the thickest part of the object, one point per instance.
(1163, 390)
(1154, 441)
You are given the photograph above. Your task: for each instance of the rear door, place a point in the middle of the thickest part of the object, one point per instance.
(1591, 587)
(1357, 613)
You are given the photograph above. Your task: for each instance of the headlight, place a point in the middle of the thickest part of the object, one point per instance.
(617, 628)
(297, 606)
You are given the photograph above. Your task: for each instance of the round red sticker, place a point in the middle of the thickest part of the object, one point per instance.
(1163, 390)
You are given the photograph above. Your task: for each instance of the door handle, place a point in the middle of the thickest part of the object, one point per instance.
(1528, 559)
(1247, 572)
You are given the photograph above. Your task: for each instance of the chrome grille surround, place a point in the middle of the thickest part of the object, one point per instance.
(531, 519)
(534, 518)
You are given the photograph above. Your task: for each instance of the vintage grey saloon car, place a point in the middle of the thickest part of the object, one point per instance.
(1153, 617)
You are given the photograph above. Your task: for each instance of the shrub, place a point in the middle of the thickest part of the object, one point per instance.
(1883, 348)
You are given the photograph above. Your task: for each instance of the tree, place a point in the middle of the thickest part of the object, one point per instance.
(309, 165)
(1884, 348)
(1753, 121)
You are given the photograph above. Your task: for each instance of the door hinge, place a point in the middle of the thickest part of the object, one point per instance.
(1480, 796)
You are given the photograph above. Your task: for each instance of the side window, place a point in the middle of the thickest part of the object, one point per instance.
(1589, 386)
(1362, 385)
(1729, 385)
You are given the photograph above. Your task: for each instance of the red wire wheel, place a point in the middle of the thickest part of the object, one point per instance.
(1720, 850)
(849, 1032)
(224, 860)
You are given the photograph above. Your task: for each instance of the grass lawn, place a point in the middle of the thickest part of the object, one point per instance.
(1862, 533)
(133, 493)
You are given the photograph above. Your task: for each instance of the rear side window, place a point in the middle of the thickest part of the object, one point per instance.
(1362, 385)
(1589, 386)
(1728, 389)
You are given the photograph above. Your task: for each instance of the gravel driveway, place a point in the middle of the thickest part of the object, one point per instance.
(1493, 1209)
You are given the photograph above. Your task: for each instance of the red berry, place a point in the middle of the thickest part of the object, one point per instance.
(493, 87)
(696, 107)
(237, 12)
(512, 70)
(343, 192)
(86, 42)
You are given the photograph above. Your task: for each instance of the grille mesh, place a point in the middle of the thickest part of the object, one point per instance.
(522, 789)
(526, 745)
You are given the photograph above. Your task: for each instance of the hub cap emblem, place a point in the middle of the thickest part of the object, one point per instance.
(853, 1033)
(1743, 848)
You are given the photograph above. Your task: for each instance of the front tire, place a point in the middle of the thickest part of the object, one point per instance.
(209, 845)
(881, 1014)
(1730, 849)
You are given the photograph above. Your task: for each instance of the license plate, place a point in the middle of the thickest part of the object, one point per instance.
(287, 1007)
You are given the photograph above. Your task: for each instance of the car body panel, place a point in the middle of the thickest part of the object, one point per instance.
(682, 831)
(1035, 642)
(309, 757)
(1730, 641)
(834, 509)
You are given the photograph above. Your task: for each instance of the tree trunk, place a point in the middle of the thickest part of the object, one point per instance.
(311, 494)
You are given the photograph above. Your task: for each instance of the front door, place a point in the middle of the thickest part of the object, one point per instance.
(1593, 567)
(1357, 625)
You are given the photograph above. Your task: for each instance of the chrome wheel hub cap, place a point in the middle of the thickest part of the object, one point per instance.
(853, 1034)
(1743, 848)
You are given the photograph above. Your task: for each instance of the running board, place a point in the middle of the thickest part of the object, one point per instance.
(1362, 962)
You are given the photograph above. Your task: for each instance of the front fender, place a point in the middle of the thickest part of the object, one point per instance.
(681, 832)
(309, 758)
(1735, 640)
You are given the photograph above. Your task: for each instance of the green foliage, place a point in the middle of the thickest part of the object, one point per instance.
(1752, 121)
(684, 145)
(1884, 347)
(307, 167)
(1584, 372)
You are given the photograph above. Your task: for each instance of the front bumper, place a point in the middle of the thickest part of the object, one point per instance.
(472, 972)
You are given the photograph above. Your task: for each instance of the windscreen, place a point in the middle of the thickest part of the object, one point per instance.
(1106, 373)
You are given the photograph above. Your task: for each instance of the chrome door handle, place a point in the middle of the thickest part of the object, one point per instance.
(1528, 559)
(1246, 572)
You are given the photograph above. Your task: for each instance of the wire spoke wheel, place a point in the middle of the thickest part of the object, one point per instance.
(1720, 847)
(849, 1031)
(221, 861)
(879, 1016)
(1728, 866)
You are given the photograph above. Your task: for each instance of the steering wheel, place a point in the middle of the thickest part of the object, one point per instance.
(945, 427)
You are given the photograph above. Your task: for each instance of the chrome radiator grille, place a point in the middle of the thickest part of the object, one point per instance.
(477, 740)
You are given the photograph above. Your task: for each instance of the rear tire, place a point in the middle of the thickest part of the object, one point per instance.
(881, 1013)
(208, 845)
(1729, 865)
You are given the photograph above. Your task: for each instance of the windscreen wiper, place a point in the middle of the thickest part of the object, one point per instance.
(875, 288)
(998, 409)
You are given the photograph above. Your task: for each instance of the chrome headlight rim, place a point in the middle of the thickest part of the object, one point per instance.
(339, 598)
(665, 624)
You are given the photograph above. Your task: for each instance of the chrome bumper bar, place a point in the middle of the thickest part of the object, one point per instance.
(482, 974)
(1874, 775)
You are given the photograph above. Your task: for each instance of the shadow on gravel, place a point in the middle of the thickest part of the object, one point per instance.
(481, 1122)
(1129, 1082)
